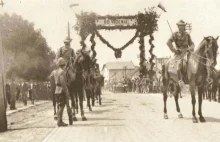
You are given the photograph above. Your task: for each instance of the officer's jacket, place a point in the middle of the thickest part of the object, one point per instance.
(182, 40)
(65, 53)
(60, 81)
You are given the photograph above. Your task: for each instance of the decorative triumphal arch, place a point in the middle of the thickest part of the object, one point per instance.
(145, 24)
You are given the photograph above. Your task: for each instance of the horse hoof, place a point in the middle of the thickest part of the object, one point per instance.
(195, 120)
(180, 115)
(74, 119)
(84, 118)
(90, 109)
(202, 119)
(165, 116)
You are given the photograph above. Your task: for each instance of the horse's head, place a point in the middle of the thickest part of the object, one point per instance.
(211, 50)
(84, 61)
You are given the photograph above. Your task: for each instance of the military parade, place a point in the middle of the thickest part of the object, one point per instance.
(62, 79)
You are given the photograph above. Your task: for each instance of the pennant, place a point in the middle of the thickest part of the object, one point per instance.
(72, 5)
(162, 7)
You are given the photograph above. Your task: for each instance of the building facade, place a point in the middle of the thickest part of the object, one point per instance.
(117, 70)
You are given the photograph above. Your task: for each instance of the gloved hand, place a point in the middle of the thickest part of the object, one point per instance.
(177, 52)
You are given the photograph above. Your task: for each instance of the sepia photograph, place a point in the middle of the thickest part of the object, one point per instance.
(109, 71)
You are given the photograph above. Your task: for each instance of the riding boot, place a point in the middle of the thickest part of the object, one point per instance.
(181, 83)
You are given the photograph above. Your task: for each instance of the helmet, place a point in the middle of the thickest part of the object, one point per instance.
(61, 61)
(181, 23)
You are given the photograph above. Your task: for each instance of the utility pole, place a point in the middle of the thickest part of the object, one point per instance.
(3, 119)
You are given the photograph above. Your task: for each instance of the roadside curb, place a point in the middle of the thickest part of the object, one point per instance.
(24, 108)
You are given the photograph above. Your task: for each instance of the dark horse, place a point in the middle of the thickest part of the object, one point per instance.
(75, 70)
(197, 68)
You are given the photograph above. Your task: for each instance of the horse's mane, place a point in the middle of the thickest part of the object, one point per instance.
(201, 45)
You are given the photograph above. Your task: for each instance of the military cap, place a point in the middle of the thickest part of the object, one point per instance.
(181, 23)
(67, 40)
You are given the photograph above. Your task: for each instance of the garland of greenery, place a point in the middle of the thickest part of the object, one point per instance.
(118, 51)
(151, 51)
(146, 23)
(142, 54)
(93, 45)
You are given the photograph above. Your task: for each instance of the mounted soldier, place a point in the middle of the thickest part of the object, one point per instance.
(66, 52)
(183, 44)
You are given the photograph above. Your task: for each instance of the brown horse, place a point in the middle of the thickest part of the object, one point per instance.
(196, 73)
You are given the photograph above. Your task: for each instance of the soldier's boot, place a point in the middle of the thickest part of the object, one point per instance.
(83, 117)
(180, 82)
(69, 111)
(60, 122)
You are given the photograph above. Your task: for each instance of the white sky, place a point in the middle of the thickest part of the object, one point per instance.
(52, 16)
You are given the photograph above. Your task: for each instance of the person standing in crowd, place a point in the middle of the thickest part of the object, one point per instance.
(24, 92)
(62, 93)
(31, 93)
(7, 90)
(18, 91)
(13, 92)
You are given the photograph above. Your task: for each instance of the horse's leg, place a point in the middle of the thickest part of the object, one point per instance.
(165, 84)
(192, 90)
(73, 103)
(88, 99)
(209, 95)
(76, 101)
(201, 118)
(176, 97)
(93, 96)
(81, 93)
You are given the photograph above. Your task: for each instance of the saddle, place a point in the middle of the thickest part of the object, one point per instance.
(173, 65)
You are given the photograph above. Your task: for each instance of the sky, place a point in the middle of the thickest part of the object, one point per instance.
(52, 16)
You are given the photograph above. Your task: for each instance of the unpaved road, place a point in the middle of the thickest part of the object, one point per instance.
(121, 118)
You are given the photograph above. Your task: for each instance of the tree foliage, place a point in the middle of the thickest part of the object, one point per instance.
(32, 57)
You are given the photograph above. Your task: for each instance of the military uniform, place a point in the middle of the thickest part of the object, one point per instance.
(66, 52)
(183, 44)
(62, 93)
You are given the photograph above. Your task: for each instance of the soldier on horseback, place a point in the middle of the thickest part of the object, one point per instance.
(183, 44)
(66, 51)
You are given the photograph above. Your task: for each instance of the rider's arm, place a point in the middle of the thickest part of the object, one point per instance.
(170, 43)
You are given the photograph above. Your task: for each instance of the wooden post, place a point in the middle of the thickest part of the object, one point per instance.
(3, 119)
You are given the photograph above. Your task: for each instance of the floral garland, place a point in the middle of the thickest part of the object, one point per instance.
(117, 50)
(142, 54)
(151, 51)
(146, 24)
(93, 45)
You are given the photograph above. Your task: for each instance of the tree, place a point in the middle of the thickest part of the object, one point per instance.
(32, 57)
